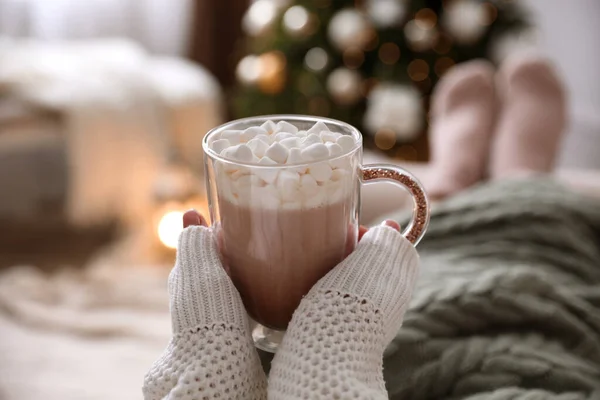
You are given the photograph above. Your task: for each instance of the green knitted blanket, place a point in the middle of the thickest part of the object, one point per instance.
(508, 300)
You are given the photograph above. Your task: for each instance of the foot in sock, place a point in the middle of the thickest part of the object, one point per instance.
(533, 118)
(463, 112)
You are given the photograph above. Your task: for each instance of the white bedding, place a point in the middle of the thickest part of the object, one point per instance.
(121, 111)
(88, 335)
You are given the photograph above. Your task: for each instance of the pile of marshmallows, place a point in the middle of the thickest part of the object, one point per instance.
(315, 184)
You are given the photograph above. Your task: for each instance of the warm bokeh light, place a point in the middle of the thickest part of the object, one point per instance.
(344, 85)
(418, 37)
(418, 70)
(385, 139)
(260, 17)
(426, 18)
(353, 57)
(272, 72)
(373, 41)
(168, 218)
(389, 53)
(296, 20)
(248, 70)
(316, 59)
(169, 228)
(491, 11)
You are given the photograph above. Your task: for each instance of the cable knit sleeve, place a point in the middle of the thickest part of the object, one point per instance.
(211, 354)
(333, 348)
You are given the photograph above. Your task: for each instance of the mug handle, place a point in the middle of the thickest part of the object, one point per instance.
(372, 173)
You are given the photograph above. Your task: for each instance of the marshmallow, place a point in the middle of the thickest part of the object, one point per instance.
(236, 174)
(258, 147)
(329, 136)
(265, 138)
(320, 171)
(339, 175)
(311, 139)
(268, 175)
(341, 163)
(267, 161)
(309, 185)
(267, 197)
(219, 145)
(213, 138)
(317, 182)
(277, 152)
(318, 128)
(316, 151)
(316, 200)
(241, 153)
(295, 157)
(251, 133)
(283, 135)
(347, 142)
(269, 126)
(288, 183)
(334, 149)
(234, 136)
(249, 180)
(290, 143)
(283, 126)
(335, 192)
(226, 191)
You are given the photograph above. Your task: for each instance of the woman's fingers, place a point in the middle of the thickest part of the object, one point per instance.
(361, 231)
(392, 224)
(192, 217)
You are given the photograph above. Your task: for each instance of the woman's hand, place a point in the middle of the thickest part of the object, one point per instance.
(211, 353)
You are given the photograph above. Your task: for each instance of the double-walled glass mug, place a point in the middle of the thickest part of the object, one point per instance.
(286, 210)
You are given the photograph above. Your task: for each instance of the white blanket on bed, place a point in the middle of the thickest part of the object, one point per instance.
(117, 104)
(81, 335)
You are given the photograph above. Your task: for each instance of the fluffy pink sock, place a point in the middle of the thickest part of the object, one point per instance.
(533, 118)
(463, 117)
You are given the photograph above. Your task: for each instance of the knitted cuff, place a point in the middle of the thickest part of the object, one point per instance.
(201, 292)
(382, 270)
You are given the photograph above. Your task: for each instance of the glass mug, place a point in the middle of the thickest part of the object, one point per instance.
(281, 227)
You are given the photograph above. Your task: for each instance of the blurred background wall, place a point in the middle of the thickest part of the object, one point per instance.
(570, 35)
(161, 26)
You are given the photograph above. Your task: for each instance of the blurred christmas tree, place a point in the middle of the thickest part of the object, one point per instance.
(372, 63)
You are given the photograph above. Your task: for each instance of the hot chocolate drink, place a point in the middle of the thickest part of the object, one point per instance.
(288, 212)
(276, 256)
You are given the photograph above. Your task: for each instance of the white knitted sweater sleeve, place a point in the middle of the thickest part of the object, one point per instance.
(333, 348)
(211, 354)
